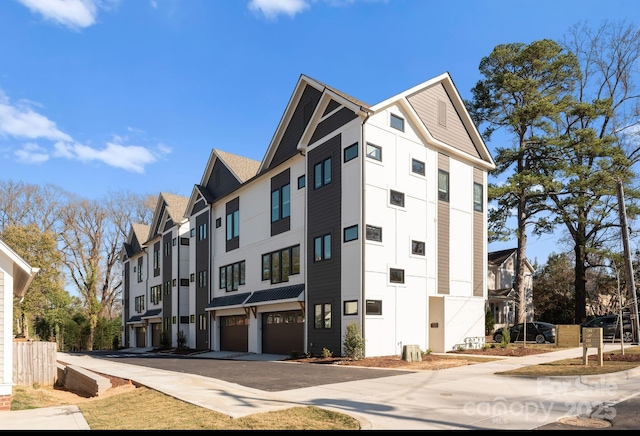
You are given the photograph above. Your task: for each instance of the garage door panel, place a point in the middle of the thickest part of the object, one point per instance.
(283, 332)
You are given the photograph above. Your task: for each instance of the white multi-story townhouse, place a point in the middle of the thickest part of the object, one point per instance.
(357, 213)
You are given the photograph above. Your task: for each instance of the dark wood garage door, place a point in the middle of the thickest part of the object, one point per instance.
(141, 337)
(156, 333)
(283, 332)
(234, 333)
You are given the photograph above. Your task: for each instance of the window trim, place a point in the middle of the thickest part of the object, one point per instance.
(443, 194)
(322, 318)
(478, 205)
(323, 240)
(324, 170)
(347, 151)
(282, 198)
(398, 119)
(377, 156)
(347, 229)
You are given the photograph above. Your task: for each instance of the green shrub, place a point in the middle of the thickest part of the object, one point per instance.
(165, 340)
(326, 352)
(294, 354)
(427, 351)
(353, 343)
(506, 337)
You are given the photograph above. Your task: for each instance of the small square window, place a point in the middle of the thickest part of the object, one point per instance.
(397, 122)
(351, 307)
(417, 166)
(351, 152)
(302, 180)
(417, 247)
(374, 233)
(397, 198)
(374, 152)
(374, 307)
(192, 233)
(184, 241)
(184, 282)
(396, 275)
(134, 268)
(218, 223)
(350, 233)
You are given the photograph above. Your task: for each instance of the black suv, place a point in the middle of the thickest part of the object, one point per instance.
(610, 325)
(537, 331)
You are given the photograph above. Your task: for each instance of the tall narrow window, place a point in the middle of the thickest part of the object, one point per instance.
(202, 231)
(322, 316)
(322, 248)
(322, 173)
(443, 185)
(280, 203)
(233, 225)
(477, 197)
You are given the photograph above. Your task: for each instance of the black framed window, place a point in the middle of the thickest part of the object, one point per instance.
(277, 266)
(397, 122)
(443, 185)
(374, 233)
(302, 181)
(396, 275)
(396, 198)
(322, 316)
(233, 225)
(374, 152)
(417, 166)
(202, 279)
(280, 203)
(351, 307)
(351, 152)
(373, 307)
(351, 233)
(232, 276)
(202, 232)
(322, 173)
(218, 223)
(322, 248)
(417, 247)
(184, 241)
(139, 302)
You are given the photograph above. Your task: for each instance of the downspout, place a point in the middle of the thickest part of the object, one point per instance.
(364, 233)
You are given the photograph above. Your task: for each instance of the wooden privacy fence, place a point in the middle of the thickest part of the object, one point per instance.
(34, 362)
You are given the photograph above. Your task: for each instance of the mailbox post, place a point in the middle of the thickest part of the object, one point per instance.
(591, 338)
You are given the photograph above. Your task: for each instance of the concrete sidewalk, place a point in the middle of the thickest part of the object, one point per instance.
(468, 397)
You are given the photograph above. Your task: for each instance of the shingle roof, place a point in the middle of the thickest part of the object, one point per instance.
(498, 257)
(243, 167)
(176, 205)
(140, 231)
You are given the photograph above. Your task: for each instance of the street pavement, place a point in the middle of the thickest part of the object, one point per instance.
(471, 397)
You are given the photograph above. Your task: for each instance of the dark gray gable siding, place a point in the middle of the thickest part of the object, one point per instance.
(288, 145)
(198, 206)
(323, 278)
(202, 293)
(222, 180)
(277, 182)
(331, 107)
(335, 121)
(166, 277)
(168, 225)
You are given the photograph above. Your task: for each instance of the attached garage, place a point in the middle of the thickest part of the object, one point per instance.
(283, 332)
(140, 337)
(234, 333)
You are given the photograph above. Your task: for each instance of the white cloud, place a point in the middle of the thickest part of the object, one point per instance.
(272, 8)
(70, 13)
(20, 121)
(128, 157)
(31, 153)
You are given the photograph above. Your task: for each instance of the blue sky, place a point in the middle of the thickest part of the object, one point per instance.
(108, 95)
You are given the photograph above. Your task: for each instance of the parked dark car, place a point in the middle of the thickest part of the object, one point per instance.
(537, 331)
(610, 325)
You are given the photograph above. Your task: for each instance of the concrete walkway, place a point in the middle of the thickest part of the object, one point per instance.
(468, 397)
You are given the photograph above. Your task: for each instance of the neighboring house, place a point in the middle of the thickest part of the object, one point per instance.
(357, 213)
(15, 277)
(502, 297)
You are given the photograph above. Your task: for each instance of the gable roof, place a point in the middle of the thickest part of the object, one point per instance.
(170, 206)
(326, 101)
(497, 258)
(135, 240)
(23, 273)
